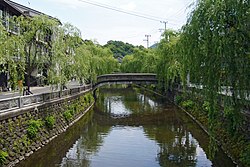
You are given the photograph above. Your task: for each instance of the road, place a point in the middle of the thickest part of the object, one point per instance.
(36, 90)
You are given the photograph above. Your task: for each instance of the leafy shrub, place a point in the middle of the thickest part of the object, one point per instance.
(206, 106)
(50, 121)
(3, 156)
(86, 98)
(67, 115)
(90, 98)
(34, 126)
(233, 119)
(245, 155)
(178, 99)
(188, 104)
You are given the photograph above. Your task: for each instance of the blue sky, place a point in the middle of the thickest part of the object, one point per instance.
(102, 24)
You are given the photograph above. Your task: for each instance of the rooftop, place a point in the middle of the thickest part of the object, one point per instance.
(24, 10)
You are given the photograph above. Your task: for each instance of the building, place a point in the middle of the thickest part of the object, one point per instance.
(9, 9)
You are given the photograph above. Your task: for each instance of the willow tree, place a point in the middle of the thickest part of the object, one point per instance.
(67, 40)
(216, 51)
(82, 64)
(11, 56)
(169, 67)
(36, 36)
(142, 60)
(101, 61)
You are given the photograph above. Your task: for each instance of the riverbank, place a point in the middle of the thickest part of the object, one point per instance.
(129, 127)
(35, 126)
(236, 146)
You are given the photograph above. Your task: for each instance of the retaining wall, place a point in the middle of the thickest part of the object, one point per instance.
(14, 137)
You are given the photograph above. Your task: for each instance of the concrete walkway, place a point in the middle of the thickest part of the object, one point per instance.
(36, 90)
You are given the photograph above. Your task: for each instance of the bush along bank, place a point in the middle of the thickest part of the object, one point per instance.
(34, 127)
(235, 143)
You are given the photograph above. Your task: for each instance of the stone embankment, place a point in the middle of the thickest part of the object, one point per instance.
(26, 130)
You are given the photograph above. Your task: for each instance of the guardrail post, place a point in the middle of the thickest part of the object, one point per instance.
(20, 102)
(9, 104)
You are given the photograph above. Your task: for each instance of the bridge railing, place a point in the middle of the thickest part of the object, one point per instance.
(126, 77)
(18, 102)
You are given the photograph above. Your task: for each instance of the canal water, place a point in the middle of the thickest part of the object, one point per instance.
(130, 127)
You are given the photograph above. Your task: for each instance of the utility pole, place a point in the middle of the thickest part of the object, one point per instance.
(147, 36)
(165, 23)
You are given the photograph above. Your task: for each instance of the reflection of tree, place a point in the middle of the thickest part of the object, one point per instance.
(87, 145)
(177, 147)
(133, 101)
(116, 94)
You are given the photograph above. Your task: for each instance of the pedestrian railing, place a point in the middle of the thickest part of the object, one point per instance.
(18, 102)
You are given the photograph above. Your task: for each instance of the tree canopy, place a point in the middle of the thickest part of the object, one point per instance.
(44, 46)
(121, 49)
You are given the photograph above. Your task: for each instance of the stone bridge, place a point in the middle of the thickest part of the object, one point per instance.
(125, 78)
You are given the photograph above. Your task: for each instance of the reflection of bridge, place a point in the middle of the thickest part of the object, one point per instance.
(126, 78)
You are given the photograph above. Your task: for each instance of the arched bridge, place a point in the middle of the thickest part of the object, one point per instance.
(126, 78)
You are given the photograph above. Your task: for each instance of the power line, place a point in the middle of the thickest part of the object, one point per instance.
(149, 17)
(139, 13)
(176, 14)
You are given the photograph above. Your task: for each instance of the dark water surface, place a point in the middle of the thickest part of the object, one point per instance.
(130, 128)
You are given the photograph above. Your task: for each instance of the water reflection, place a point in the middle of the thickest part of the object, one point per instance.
(130, 127)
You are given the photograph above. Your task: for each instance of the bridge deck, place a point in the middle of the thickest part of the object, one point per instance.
(126, 78)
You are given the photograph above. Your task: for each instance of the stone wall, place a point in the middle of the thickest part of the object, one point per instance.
(26, 130)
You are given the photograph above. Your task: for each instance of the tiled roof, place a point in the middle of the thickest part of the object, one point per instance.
(24, 10)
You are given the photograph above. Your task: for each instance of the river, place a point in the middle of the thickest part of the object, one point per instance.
(130, 127)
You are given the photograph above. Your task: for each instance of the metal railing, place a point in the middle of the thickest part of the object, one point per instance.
(18, 102)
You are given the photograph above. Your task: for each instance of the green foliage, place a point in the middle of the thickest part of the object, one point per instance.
(88, 98)
(91, 98)
(11, 56)
(233, 119)
(33, 128)
(64, 46)
(77, 106)
(57, 50)
(50, 121)
(245, 155)
(120, 49)
(215, 52)
(169, 66)
(178, 99)
(25, 140)
(188, 104)
(215, 46)
(206, 106)
(67, 115)
(142, 60)
(100, 61)
(84, 61)
(3, 156)
(35, 36)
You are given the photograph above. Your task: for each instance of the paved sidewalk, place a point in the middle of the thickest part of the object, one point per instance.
(36, 90)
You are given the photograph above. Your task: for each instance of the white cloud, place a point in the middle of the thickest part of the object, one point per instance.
(131, 6)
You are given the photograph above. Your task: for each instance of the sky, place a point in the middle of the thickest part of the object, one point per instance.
(105, 23)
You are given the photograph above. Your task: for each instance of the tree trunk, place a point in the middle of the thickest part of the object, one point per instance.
(28, 79)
